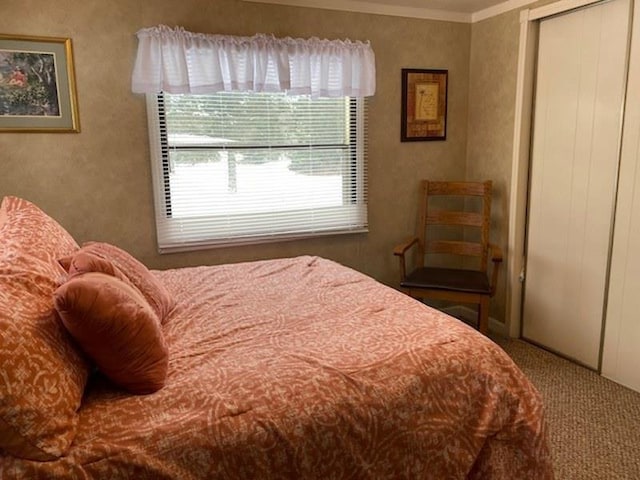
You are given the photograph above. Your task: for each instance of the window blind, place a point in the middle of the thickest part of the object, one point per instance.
(245, 167)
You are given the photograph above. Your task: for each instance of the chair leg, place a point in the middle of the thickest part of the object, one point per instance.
(483, 316)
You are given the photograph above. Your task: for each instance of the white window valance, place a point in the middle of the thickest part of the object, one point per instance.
(174, 60)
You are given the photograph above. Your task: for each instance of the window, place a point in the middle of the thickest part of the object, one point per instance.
(244, 167)
(237, 160)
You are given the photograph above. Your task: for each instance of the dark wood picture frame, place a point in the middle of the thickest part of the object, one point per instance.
(424, 105)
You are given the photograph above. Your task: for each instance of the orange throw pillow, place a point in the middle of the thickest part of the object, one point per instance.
(115, 326)
(149, 285)
(83, 262)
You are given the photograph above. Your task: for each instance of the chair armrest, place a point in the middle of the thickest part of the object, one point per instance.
(399, 251)
(496, 253)
(496, 257)
(403, 247)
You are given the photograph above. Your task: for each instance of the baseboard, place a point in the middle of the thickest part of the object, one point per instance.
(469, 316)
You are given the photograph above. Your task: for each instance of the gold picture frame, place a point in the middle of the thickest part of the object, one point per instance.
(424, 105)
(37, 85)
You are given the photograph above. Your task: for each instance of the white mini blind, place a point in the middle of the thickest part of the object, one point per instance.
(245, 167)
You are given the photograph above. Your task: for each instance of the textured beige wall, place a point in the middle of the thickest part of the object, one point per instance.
(492, 91)
(492, 94)
(97, 183)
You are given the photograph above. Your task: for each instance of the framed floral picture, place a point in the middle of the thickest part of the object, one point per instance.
(37, 85)
(424, 105)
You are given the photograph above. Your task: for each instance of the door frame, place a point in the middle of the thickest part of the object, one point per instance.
(520, 162)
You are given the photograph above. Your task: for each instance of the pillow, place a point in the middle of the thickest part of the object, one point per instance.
(43, 373)
(149, 285)
(83, 262)
(28, 230)
(113, 323)
(3, 213)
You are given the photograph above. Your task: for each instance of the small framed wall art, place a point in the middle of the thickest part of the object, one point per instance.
(424, 105)
(37, 85)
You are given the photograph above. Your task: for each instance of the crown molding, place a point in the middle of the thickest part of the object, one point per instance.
(362, 6)
(374, 8)
(499, 9)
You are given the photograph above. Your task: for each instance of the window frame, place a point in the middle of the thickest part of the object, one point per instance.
(169, 230)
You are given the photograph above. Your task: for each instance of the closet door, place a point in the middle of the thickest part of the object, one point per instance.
(621, 353)
(575, 151)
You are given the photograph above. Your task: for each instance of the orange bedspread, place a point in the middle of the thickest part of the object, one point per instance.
(303, 369)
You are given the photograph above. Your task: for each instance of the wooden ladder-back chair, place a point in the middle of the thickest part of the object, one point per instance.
(461, 284)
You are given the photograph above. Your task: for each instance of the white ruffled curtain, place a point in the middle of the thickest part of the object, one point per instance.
(178, 61)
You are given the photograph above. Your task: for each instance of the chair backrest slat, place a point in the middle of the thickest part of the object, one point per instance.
(477, 189)
(454, 248)
(445, 217)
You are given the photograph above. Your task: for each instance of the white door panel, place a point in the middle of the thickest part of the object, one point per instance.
(621, 349)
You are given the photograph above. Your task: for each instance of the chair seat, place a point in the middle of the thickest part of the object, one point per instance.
(471, 281)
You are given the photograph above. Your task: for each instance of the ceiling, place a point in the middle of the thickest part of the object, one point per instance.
(467, 11)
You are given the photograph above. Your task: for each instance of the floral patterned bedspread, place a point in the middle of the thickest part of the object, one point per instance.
(301, 368)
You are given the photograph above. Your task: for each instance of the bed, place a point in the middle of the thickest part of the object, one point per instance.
(293, 368)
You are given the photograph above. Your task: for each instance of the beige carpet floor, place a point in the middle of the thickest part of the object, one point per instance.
(593, 423)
